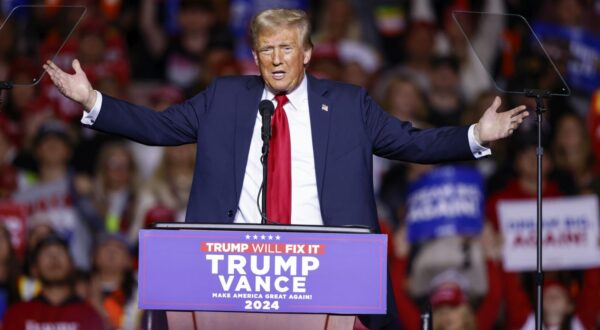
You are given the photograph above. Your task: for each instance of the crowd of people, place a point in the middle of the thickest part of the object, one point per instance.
(73, 200)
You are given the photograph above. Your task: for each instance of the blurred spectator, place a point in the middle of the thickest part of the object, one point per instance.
(102, 51)
(451, 309)
(29, 286)
(113, 288)
(593, 126)
(325, 61)
(115, 188)
(52, 198)
(337, 22)
(419, 51)
(572, 153)
(391, 194)
(82, 284)
(460, 253)
(561, 308)
(148, 157)
(458, 275)
(169, 188)
(342, 34)
(23, 111)
(403, 98)
(219, 61)
(444, 95)
(452, 243)
(8, 47)
(343, 37)
(522, 182)
(568, 29)
(24, 99)
(9, 272)
(99, 47)
(360, 63)
(57, 306)
(8, 173)
(449, 296)
(181, 53)
(483, 34)
(393, 191)
(347, 60)
(391, 19)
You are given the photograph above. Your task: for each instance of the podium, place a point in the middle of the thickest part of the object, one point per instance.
(242, 276)
(251, 321)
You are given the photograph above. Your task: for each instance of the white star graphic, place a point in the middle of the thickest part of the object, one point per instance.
(263, 237)
(247, 236)
(277, 237)
(255, 237)
(270, 237)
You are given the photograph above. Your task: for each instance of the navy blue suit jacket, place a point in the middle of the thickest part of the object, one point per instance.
(221, 120)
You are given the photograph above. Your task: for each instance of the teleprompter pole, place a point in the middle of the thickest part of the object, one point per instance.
(539, 96)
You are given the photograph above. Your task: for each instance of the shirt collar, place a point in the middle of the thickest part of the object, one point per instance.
(297, 97)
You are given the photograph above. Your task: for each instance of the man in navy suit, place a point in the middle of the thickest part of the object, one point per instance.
(329, 131)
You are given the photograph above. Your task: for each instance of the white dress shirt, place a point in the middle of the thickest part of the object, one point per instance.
(305, 200)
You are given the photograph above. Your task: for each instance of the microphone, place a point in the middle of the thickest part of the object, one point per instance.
(266, 109)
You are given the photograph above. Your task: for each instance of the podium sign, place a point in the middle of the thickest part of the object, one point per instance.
(262, 271)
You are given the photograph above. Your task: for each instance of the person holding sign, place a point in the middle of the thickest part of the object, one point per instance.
(450, 296)
(561, 309)
(324, 136)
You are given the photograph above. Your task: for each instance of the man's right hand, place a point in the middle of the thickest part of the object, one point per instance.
(76, 86)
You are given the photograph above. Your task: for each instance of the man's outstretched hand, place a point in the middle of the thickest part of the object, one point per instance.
(494, 125)
(76, 86)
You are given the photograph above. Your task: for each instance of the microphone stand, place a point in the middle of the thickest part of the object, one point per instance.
(264, 159)
(427, 319)
(539, 96)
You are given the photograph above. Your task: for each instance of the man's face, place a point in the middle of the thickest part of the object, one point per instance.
(53, 265)
(281, 57)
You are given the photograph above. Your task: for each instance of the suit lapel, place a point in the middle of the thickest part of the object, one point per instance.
(320, 115)
(246, 110)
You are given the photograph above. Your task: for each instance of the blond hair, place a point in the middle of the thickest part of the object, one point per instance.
(275, 19)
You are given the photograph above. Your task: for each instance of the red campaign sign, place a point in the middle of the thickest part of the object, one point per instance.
(14, 217)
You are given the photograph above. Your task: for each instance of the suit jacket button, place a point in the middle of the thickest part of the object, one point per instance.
(230, 213)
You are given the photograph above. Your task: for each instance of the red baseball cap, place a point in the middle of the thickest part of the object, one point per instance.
(447, 294)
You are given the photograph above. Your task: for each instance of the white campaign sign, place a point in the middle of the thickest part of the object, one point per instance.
(570, 238)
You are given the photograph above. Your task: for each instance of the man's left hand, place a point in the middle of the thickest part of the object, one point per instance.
(495, 125)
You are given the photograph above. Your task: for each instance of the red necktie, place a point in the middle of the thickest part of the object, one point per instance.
(279, 182)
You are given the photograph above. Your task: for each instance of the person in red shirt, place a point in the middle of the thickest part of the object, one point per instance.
(522, 183)
(561, 308)
(451, 304)
(57, 307)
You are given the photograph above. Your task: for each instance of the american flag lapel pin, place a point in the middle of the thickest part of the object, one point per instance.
(325, 107)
